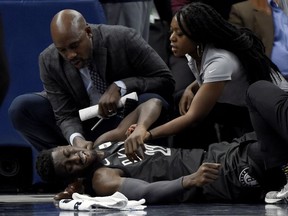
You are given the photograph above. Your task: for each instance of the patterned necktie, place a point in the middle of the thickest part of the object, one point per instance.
(97, 80)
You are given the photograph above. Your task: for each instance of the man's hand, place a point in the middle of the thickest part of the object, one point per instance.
(134, 144)
(206, 174)
(109, 101)
(82, 143)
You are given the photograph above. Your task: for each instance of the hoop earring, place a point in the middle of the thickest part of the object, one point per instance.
(199, 50)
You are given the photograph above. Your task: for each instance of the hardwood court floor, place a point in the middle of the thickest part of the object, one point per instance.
(41, 205)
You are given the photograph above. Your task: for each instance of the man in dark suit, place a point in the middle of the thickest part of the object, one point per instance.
(123, 62)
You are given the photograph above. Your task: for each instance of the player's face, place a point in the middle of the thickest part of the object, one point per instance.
(73, 161)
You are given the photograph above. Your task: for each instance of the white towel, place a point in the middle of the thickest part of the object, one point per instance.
(103, 212)
(80, 202)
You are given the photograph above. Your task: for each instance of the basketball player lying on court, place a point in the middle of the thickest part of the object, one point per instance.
(227, 172)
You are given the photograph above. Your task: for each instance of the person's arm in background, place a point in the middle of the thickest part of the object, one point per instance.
(4, 74)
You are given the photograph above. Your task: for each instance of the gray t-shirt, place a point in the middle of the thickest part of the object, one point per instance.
(222, 65)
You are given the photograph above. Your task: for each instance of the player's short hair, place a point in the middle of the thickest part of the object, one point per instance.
(45, 166)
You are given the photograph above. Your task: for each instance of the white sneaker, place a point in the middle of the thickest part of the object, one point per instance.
(271, 197)
(277, 196)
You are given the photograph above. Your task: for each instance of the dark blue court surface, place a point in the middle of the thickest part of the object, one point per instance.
(40, 205)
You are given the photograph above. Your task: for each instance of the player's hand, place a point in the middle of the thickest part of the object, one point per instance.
(134, 144)
(185, 101)
(107, 105)
(130, 130)
(206, 174)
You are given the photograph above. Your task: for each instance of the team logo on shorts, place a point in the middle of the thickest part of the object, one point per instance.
(246, 180)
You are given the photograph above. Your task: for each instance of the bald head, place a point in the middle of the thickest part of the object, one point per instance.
(72, 36)
(67, 21)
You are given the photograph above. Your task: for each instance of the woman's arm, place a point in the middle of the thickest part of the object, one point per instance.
(202, 103)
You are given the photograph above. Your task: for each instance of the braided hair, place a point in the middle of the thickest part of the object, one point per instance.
(203, 24)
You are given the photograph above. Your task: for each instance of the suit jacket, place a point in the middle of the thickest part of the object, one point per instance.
(244, 14)
(119, 53)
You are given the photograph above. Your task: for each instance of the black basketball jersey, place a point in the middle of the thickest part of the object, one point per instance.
(160, 163)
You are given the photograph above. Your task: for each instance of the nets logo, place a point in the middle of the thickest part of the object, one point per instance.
(246, 180)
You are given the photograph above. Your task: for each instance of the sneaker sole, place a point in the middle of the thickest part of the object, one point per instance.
(273, 200)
